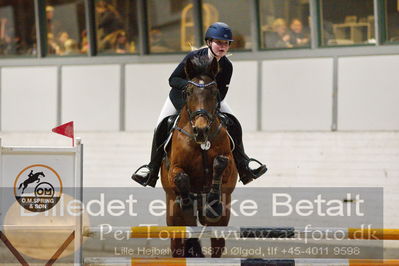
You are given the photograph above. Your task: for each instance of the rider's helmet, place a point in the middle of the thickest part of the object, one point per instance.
(219, 31)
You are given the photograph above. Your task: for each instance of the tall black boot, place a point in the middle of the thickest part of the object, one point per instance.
(157, 153)
(241, 159)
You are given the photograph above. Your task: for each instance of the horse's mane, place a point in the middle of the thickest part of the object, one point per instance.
(199, 65)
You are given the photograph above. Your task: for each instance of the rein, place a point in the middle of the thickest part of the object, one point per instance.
(211, 137)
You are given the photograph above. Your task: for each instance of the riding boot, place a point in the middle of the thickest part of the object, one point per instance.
(242, 160)
(157, 153)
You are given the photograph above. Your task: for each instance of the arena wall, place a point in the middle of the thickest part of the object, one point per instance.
(304, 94)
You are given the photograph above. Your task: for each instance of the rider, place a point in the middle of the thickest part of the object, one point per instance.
(218, 38)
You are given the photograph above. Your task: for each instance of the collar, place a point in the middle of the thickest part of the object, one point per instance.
(211, 55)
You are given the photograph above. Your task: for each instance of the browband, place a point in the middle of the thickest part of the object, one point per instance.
(201, 85)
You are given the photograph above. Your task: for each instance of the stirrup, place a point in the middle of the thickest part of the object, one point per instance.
(257, 172)
(142, 180)
(247, 174)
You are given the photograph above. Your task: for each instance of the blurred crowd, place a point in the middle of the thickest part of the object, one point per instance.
(111, 34)
(279, 35)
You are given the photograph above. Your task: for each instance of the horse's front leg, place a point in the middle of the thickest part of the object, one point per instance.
(214, 206)
(183, 185)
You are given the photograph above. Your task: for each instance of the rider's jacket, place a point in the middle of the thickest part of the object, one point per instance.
(178, 78)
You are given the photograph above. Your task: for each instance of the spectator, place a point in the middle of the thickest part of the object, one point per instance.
(109, 21)
(70, 47)
(157, 42)
(121, 44)
(279, 37)
(8, 43)
(84, 48)
(297, 36)
(66, 44)
(239, 41)
(53, 47)
(53, 25)
(117, 42)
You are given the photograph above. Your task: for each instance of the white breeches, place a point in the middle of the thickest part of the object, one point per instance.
(169, 109)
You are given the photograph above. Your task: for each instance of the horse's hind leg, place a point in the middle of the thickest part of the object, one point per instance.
(192, 246)
(23, 189)
(214, 206)
(218, 247)
(218, 244)
(174, 218)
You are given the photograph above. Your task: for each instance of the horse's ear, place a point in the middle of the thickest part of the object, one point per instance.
(214, 67)
(188, 68)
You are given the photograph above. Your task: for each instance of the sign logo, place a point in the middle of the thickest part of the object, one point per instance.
(38, 188)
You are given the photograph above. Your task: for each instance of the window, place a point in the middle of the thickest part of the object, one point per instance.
(392, 20)
(347, 22)
(284, 23)
(170, 25)
(236, 13)
(117, 26)
(17, 28)
(66, 31)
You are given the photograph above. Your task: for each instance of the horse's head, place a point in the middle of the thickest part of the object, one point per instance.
(202, 95)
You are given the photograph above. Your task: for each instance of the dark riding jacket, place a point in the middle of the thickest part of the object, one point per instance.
(178, 78)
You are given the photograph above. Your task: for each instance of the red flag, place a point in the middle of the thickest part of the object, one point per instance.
(66, 130)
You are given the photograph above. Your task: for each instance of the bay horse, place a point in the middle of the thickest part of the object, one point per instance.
(198, 173)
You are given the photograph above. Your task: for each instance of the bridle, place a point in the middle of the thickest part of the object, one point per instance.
(202, 112)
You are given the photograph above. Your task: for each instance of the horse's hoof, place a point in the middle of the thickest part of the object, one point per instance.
(182, 182)
(213, 212)
(192, 248)
(214, 208)
(187, 205)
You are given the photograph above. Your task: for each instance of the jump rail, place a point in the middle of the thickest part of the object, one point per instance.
(235, 262)
(232, 232)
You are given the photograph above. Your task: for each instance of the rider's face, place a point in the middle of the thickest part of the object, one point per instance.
(220, 47)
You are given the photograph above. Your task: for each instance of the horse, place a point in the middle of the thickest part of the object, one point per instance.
(198, 173)
(32, 178)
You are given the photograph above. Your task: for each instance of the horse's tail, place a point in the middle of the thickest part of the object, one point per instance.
(40, 173)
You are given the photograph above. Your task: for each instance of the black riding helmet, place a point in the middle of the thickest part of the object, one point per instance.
(219, 31)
